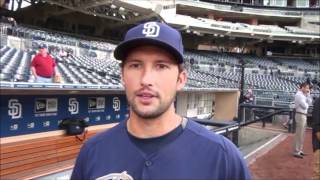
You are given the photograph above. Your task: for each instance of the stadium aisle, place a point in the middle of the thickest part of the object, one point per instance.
(279, 163)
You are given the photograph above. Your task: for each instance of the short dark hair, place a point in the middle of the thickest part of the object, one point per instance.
(181, 67)
(304, 84)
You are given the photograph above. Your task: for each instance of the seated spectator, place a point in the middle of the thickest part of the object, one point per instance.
(249, 96)
(62, 53)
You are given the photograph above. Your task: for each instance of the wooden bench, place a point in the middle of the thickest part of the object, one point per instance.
(35, 157)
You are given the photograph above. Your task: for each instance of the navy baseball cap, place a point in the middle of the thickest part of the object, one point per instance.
(41, 46)
(151, 33)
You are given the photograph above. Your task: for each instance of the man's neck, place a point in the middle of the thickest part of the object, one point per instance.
(148, 128)
(44, 55)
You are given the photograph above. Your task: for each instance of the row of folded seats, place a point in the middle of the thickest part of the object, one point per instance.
(208, 80)
(232, 79)
(232, 59)
(300, 64)
(270, 82)
(100, 65)
(15, 66)
(86, 70)
(58, 38)
(77, 75)
(202, 57)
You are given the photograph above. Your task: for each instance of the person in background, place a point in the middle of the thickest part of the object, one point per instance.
(62, 53)
(302, 101)
(316, 138)
(43, 66)
(12, 22)
(5, 4)
(249, 95)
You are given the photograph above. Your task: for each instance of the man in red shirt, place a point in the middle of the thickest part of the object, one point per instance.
(43, 66)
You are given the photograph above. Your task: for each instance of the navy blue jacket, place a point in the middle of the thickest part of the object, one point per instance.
(316, 124)
(196, 154)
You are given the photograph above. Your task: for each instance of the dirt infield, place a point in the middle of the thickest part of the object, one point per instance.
(278, 163)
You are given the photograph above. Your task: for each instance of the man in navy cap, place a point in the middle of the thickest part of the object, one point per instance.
(43, 66)
(155, 142)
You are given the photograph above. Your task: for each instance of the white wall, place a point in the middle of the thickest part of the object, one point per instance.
(200, 104)
(282, 3)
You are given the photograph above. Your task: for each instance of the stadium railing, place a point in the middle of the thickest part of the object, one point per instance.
(229, 129)
(266, 113)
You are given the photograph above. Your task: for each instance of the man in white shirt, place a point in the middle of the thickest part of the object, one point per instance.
(302, 102)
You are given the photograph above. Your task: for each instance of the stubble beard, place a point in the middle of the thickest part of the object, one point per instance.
(152, 114)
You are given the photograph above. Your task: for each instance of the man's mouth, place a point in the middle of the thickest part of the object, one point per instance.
(146, 97)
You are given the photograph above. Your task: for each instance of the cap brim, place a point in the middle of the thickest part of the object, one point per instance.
(122, 50)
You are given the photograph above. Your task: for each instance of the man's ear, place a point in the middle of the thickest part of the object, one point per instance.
(182, 80)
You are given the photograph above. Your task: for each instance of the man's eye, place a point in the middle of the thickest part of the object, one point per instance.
(162, 66)
(134, 65)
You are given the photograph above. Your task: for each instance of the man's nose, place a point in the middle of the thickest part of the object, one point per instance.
(147, 78)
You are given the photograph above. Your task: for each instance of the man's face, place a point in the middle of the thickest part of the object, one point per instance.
(305, 89)
(151, 78)
(43, 51)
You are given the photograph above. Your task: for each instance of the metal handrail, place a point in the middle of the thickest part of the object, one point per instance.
(278, 110)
